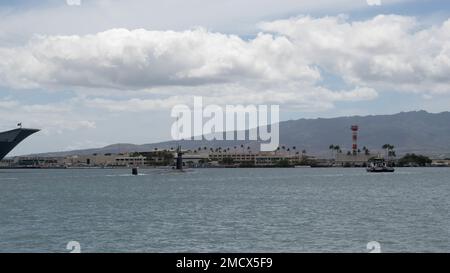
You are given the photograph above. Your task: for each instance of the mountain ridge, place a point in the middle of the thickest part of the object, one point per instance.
(410, 132)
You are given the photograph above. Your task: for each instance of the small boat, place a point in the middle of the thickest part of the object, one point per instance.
(379, 166)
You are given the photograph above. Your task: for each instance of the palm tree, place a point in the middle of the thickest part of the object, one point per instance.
(386, 148)
(392, 153)
(389, 150)
(284, 149)
(366, 151)
(332, 148)
(337, 148)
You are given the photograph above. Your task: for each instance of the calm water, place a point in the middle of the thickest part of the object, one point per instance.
(225, 210)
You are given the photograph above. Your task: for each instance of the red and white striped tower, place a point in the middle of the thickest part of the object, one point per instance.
(355, 129)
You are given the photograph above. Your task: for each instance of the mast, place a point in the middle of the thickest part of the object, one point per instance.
(179, 158)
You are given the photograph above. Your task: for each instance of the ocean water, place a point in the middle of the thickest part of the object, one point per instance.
(225, 210)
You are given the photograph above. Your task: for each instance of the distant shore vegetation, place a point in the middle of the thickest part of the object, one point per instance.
(413, 160)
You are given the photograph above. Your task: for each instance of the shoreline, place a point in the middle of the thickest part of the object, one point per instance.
(224, 167)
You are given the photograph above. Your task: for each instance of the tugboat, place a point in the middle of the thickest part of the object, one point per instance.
(379, 166)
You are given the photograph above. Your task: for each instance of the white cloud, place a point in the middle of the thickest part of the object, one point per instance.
(374, 2)
(138, 59)
(73, 2)
(96, 16)
(310, 99)
(388, 52)
(282, 64)
(8, 104)
(134, 104)
(54, 117)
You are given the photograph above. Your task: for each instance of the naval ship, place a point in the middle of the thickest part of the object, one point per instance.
(10, 139)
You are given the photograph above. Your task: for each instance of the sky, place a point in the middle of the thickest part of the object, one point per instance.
(90, 73)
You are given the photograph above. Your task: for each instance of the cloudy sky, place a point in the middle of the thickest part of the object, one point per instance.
(96, 72)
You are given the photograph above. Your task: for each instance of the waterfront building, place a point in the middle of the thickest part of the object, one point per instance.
(352, 159)
(166, 158)
(130, 161)
(239, 158)
(440, 163)
(7, 163)
(256, 159)
(194, 160)
(157, 158)
(33, 162)
(94, 160)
